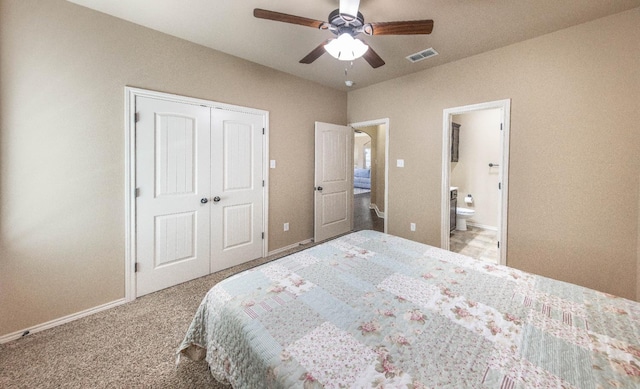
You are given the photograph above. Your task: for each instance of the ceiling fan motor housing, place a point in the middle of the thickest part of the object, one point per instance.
(339, 24)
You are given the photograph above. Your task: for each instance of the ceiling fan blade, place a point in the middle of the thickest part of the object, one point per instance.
(286, 18)
(373, 58)
(410, 27)
(315, 53)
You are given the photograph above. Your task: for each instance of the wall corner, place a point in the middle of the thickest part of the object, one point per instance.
(638, 244)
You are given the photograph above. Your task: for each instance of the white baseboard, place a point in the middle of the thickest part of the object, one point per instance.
(292, 246)
(75, 316)
(375, 208)
(62, 320)
(483, 226)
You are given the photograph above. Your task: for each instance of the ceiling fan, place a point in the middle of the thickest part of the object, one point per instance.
(346, 23)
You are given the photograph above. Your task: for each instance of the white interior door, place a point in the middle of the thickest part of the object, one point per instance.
(333, 180)
(237, 188)
(172, 176)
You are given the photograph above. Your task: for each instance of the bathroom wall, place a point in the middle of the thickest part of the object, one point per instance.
(479, 146)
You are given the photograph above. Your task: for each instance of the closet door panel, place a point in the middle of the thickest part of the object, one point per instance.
(172, 174)
(237, 179)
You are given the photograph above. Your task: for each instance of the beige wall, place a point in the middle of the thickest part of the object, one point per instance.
(479, 145)
(63, 69)
(575, 141)
(359, 144)
(380, 164)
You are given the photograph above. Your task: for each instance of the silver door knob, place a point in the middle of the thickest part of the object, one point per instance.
(216, 199)
(204, 200)
(319, 189)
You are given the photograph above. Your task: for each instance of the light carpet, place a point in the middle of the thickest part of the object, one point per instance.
(130, 346)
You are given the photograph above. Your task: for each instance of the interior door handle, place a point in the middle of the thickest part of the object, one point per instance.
(204, 200)
(216, 199)
(319, 189)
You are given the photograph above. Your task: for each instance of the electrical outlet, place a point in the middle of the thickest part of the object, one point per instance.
(286, 226)
(412, 226)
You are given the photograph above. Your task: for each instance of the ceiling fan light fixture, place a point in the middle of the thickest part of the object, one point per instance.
(346, 48)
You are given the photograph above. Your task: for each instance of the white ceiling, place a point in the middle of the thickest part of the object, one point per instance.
(461, 28)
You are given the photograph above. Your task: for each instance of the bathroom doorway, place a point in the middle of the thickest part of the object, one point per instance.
(474, 185)
(370, 175)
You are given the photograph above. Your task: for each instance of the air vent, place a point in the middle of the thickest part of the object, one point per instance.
(424, 54)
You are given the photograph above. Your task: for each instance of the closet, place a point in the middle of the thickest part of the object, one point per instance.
(199, 186)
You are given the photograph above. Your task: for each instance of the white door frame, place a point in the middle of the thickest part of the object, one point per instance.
(130, 95)
(378, 122)
(505, 107)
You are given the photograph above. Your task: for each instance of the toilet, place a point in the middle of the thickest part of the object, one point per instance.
(462, 214)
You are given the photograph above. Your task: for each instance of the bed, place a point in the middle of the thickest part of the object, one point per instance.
(370, 310)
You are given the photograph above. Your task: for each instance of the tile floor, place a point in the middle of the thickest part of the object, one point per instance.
(476, 242)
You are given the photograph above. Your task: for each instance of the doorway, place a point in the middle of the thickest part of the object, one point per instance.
(371, 210)
(365, 210)
(334, 176)
(333, 187)
(474, 184)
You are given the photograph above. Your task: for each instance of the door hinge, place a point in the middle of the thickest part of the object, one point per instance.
(135, 267)
(263, 235)
(263, 131)
(263, 183)
(137, 192)
(137, 117)
(498, 244)
(500, 126)
(499, 185)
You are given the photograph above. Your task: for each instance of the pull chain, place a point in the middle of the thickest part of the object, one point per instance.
(348, 82)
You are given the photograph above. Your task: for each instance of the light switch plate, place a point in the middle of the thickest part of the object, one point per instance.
(272, 164)
(400, 163)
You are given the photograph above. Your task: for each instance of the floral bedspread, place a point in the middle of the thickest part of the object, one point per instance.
(372, 310)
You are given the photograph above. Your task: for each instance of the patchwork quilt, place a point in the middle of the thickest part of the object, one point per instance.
(371, 310)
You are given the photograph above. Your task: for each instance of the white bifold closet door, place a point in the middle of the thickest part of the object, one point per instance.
(237, 180)
(199, 204)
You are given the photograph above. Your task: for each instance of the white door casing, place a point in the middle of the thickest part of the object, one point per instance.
(333, 180)
(173, 175)
(236, 177)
